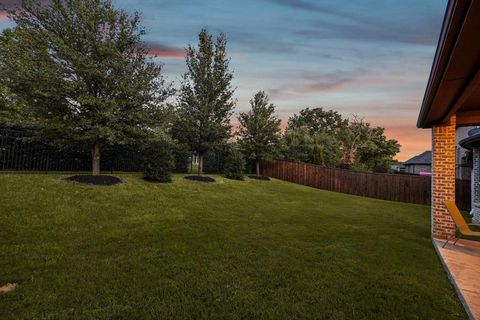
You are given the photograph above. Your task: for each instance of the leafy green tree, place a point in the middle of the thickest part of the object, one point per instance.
(205, 101)
(159, 159)
(234, 167)
(13, 112)
(319, 120)
(325, 137)
(82, 70)
(296, 145)
(259, 130)
(319, 148)
(372, 149)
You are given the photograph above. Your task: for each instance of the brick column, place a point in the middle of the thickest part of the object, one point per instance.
(443, 179)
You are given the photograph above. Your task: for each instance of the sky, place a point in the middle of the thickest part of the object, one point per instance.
(371, 58)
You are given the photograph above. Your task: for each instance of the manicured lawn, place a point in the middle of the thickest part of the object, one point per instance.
(230, 250)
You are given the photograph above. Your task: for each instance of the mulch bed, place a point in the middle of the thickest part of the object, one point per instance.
(95, 180)
(264, 178)
(200, 178)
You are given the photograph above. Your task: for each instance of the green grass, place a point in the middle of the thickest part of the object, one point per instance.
(468, 219)
(230, 250)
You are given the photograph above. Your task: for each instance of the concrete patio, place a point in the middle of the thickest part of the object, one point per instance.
(462, 263)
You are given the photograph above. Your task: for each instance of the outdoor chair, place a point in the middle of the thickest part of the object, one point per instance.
(462, 227)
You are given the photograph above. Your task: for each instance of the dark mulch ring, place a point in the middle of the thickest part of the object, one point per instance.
(200, 178)
(95, 180)
(264, 178)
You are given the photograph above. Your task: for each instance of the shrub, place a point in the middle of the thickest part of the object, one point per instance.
(182, 158)
(159, 160)
(214, 159)
(234, 167)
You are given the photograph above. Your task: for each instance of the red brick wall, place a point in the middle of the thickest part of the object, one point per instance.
(443, 179)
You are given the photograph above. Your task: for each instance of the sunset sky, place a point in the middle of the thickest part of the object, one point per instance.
(370, 58)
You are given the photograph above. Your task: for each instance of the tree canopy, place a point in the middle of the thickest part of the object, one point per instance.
(327, 138)
(205, 102)
(318, 148)
(82, 70)
(319, 120)
(259, 130)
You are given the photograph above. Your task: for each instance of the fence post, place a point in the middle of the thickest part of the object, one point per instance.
(46, 165)
(304, 173)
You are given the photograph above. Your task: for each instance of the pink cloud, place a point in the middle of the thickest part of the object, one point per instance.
(17, 3)
(11, 3)
(163, 51)
(3, 16)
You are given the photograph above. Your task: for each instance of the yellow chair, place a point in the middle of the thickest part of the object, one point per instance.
(463, 228)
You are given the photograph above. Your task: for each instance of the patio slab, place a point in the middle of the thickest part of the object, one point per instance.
(462, 263)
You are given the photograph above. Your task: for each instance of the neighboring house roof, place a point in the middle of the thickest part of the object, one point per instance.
(423, 158)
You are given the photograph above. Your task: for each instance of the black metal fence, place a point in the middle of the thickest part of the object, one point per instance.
(21, 151)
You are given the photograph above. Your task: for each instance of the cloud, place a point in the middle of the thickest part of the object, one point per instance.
(10, 3)
(323, 85)
(387, 22)
(299, 4)
(312, 6)
(314, 83)
(376, 32)
(6, 5)
(164, 51)
(3, 16)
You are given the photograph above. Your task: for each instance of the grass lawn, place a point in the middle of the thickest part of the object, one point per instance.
(468, 219)
(230, 250)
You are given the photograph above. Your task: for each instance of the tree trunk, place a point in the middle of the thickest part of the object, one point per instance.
(258, 168)
(200, 164)
(96, 159)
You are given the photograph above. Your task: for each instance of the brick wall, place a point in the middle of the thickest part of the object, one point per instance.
(443, 179)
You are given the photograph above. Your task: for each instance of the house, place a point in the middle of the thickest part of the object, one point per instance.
(422, 163)
(452, 101)
(450, 104)
(419, 163)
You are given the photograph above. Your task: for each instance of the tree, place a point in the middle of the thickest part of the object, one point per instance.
(234, 167)
(370, 148)
(159, 159)
(13, 112)
(259, 130)
(319, 120)
(81, 68)
(325, 137)
(318, 148)
(205, 101)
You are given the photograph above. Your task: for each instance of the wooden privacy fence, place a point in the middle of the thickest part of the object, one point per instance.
(463, 194)
(394, 187)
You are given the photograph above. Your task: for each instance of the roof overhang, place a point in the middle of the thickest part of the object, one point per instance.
(454, 83)
(470, 142)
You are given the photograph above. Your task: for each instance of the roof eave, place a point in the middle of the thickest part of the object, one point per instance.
(451, 26)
